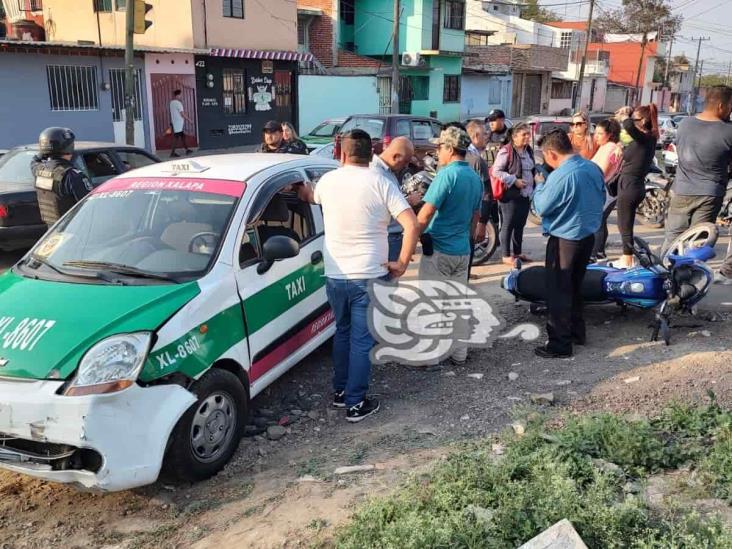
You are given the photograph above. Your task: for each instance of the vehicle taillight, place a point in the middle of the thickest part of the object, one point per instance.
(387, 140)
(3, 211)
(671, 147)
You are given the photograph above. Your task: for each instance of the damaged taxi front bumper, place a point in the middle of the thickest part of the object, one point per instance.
(104, 442)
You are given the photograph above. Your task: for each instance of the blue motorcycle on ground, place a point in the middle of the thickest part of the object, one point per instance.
(673, 284)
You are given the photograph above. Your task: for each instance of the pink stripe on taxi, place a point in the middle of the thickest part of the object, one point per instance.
(214, 186)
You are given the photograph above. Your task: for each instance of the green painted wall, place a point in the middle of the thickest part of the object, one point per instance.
(440, 66)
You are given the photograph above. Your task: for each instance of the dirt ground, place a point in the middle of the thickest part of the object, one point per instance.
(286, 493)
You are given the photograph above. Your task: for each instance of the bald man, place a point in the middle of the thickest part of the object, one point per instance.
(391, 163)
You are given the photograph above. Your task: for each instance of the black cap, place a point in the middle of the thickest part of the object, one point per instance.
(272, 126)
(495, 114)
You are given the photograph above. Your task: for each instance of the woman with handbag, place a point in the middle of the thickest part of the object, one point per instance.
(642, 127)
(513, 183)
(609, 157)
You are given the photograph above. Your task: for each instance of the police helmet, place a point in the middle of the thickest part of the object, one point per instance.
(56, 141)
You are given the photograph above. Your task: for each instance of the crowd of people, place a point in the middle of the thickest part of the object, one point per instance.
(488, 173)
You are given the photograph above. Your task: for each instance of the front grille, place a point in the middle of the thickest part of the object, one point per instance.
(59, 457)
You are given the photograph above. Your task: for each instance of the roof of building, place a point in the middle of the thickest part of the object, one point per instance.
(573, 25)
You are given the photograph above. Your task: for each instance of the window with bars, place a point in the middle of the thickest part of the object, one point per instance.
(234, 92)
(118, 79)
(561, 89)
(283, 89)
(72, 88)
(348, 12)
(451, 91)
(565, 40)
(103, 5)
(455, 14)
(27, 5)
(234, 8)
(420, 87)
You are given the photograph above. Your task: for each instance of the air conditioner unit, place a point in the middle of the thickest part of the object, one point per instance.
(412, 59)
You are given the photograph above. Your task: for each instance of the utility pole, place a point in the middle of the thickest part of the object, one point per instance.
(130, 74)
(395, 61)
(695, 90)
(638, 90)
(578, 90)
(665, 76)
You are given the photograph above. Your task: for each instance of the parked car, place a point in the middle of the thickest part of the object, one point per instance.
(20, 219)
(667, 130)
(384, 127)
(677, 118)
(670, 159)
(159, 307)
(325, 151)
(323, 133)
(3, 151)
(541, 125)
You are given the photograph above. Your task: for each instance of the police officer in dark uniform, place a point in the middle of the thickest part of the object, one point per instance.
(58, 184)
(496, 135)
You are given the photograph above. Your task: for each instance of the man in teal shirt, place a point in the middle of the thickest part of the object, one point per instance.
(449, 216)
(570, 203)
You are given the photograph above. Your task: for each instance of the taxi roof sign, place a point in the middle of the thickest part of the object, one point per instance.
(184, 166)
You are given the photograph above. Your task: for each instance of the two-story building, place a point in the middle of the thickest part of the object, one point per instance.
(235, 62)
(354, 38)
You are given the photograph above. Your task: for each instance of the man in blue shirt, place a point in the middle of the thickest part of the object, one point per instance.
(449, 217)
(570, 203)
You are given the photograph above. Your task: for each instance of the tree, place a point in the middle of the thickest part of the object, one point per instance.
(532, 11)
(641, 17)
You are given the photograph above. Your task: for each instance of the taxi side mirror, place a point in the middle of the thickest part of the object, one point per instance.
(276, 248)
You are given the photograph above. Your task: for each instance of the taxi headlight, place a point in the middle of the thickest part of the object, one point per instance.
(111, 365)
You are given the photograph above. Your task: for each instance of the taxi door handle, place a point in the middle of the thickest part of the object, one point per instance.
(316, 258)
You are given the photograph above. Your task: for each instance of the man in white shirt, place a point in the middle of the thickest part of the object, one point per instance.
(177, 122)
(358, 204)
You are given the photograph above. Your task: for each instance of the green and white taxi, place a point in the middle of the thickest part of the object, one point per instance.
(135, 333)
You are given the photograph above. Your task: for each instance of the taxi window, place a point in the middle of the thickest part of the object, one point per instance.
(284, 215)
(175, 233)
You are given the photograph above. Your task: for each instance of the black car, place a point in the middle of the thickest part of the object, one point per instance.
(20, 219)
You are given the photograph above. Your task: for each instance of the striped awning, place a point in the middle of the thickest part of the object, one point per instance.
(262, 54)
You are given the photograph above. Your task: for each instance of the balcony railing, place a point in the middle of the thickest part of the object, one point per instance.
(30, 5)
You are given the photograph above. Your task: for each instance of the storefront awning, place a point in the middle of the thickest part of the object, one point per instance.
(262, 54)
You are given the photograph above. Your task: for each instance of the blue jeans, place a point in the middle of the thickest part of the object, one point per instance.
(395, 246)
(352, 343)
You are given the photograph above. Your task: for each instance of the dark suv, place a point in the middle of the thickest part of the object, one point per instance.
(20, 218)
(384, 127)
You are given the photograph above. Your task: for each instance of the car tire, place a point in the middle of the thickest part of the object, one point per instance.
(651, 212)
(208, 433)
(483, 251)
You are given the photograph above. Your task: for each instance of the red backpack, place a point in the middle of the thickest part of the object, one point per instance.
(497, 187)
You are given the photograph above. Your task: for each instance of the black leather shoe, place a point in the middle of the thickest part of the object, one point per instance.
(546, 352)
(579, 340)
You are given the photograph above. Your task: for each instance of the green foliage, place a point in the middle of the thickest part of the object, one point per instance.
(640, 16)
(532, 11)
(716, 468)
(474, 499)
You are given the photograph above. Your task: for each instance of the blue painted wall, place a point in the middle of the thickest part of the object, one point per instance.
(25, 106)
(322, 97)
(480, 94)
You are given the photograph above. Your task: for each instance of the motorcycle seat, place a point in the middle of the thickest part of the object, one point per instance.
(531, 284)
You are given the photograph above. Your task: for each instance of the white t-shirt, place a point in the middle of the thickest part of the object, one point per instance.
(358, 204)
(176, 116)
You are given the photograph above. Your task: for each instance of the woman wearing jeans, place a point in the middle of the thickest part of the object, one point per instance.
(642, 127)
(514, 167)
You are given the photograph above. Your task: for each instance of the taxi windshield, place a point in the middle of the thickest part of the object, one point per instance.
(121, 232)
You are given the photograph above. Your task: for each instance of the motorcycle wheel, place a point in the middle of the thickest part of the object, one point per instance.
(701, 234)
(652, 211)
(484, 250)
(534, 217)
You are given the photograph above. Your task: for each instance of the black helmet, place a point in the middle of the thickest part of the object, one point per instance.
(56, 141)
(494, 115)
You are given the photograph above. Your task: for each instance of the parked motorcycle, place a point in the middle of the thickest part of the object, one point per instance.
(419, 183)
(672, 285)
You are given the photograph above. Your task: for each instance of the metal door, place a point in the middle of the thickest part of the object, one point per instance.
(384, 83)
(163, 86)
(532, 95)
(283, 95)
(518, 86)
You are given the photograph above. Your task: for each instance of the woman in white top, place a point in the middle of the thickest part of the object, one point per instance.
(609, 157)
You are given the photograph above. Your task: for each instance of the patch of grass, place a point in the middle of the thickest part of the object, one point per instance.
(716, 467)
(312, 466)
(473, 499)
(318, 524)
(358, 454)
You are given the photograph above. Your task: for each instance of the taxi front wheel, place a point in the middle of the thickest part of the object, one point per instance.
(208, 434)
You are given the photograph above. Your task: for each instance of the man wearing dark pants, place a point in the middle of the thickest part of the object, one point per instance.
(570, 202)
(358, 203)
(704, 145)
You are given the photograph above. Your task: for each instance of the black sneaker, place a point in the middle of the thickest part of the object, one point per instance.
(545, 352)
(339, 399)
(174, 155)
(362, 410)
(189, 151)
